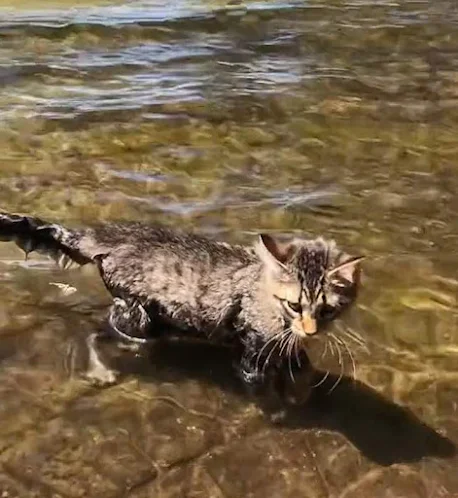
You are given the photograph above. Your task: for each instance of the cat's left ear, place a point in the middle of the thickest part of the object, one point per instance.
(347, 269)
(272, 252)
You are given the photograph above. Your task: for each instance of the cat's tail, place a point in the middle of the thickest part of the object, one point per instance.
(33, 234)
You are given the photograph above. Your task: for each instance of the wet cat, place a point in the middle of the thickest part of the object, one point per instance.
(266, 299)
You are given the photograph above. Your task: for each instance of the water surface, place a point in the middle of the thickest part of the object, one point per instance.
(335, 118)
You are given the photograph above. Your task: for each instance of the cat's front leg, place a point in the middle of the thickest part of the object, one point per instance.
(285, 378)
(251, 361)
(295, 380)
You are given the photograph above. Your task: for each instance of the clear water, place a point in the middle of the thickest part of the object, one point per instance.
(335, 118)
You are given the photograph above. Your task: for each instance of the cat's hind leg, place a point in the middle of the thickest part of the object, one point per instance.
(97, 372)
(126, 320)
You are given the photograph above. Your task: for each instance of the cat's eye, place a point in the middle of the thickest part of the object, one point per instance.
(296, 307)
(327, 312)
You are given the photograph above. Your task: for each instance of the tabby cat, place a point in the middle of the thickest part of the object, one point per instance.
(266, 299)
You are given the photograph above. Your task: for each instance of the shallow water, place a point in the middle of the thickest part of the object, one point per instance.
(332, 117)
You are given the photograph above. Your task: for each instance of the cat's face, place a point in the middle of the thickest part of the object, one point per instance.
(311, 281)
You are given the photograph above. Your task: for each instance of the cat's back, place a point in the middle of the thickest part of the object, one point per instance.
(146, 240)
(169, 266)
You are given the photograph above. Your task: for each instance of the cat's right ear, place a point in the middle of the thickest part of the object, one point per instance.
(273, 253)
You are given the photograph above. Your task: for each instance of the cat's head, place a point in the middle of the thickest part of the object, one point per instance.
(311, 281)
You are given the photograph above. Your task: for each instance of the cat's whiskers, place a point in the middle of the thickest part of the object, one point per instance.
(331, 348)
(336, 342)
(292, 340)
(325, 376)
(353, 335)
(296, 341)
(285, 342)
(356, 335)
(355, 340)
(336, 383)
(341, 341)
(350, 354)
(340, 363)
(276, 338)
(281, 336)
(325, 349)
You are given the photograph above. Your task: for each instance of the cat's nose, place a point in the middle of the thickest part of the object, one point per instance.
(309, 324)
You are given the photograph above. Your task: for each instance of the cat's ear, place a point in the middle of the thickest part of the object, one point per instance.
(347, 268)
(273, 253)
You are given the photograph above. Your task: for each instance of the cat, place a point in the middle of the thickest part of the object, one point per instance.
(266, 299)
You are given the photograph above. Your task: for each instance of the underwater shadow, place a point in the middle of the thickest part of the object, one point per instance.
(383, 431)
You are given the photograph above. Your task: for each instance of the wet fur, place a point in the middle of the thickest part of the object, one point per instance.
(224, 293)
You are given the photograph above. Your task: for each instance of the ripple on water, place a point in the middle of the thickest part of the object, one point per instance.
(137, 56)
(335, 118)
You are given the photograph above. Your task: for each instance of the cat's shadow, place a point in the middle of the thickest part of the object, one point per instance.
(383, 431)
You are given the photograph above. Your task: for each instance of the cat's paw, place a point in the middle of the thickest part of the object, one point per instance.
(278, 416)
(298, 394)
(101, 376)
(131, 348)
